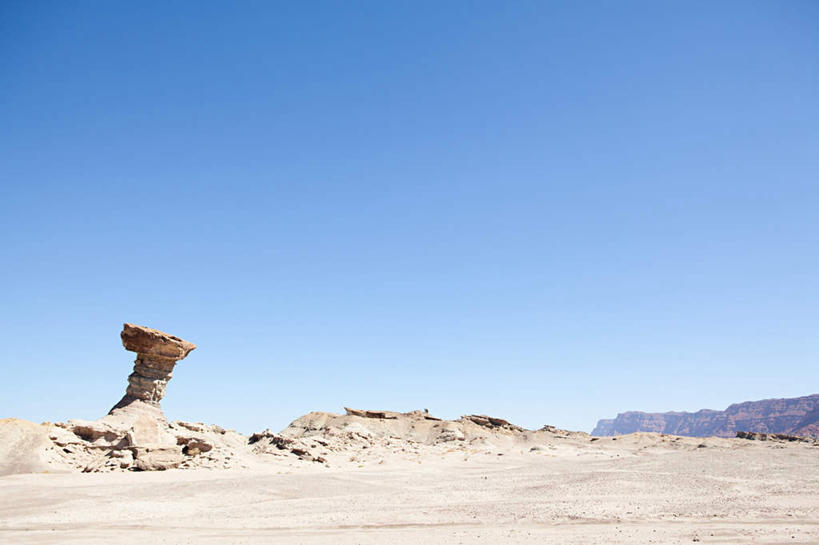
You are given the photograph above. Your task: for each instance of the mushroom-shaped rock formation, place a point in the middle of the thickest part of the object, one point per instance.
(157, 354)
(135, 430)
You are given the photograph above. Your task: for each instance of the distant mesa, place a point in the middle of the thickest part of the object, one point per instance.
(794, 416)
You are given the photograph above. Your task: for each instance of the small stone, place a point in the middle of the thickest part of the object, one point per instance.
(196, 446)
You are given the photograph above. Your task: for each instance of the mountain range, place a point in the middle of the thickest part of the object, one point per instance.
(792, 416)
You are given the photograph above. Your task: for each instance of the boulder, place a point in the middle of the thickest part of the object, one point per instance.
(157, 458)
(152, 342)
(196, 446)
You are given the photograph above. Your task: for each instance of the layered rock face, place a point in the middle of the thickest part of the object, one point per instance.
(157, 354)
(795, 416)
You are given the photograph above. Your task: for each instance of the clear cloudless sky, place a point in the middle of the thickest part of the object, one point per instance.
(550, 212)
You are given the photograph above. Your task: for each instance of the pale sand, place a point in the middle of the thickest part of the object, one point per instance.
(635, 490)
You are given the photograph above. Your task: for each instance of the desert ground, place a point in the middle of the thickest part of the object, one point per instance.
(553, 488)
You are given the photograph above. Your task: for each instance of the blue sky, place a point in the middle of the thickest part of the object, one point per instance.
(548, 212)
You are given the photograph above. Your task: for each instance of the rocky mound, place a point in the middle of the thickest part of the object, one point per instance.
(416, 426)
(360, 435)
(795, 416)
(148, 445)
(24, 447)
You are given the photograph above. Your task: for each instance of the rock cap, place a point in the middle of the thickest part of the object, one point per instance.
(152, 342)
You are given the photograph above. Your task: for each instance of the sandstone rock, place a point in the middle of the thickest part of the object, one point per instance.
(157, 354)
(372, 414)
(95, 465)
(157, 458)
(145, 430)
(491, 422)
(135, 433)
(268, 438)
(125, 458)
(783, 437)
(196, 446)
(192, 426)
(96, 432)
(152, 342)
(360, 429)
(62, 436)
(450, 432)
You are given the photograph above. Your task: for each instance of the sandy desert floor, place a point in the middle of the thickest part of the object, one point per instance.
(725, 492)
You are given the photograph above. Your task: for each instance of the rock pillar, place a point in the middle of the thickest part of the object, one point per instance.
(157, 354)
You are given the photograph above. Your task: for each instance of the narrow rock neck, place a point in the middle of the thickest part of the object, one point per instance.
(150, 377)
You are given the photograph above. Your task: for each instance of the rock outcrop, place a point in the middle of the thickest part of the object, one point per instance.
(136, 423)
(795, 416)
(780, 437)
(135, 433)
(321, 434)
(157, 354)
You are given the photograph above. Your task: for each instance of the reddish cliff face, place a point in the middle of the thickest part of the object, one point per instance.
(795, 416)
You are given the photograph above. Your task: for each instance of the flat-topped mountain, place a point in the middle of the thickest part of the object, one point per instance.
(794, 416)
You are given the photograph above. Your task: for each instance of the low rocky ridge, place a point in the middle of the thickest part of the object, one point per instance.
(380, 433)
(795, 416)
(136, 436)
(777, 437)
(318, 437)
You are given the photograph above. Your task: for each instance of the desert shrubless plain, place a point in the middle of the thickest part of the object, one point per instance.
(386, 477)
